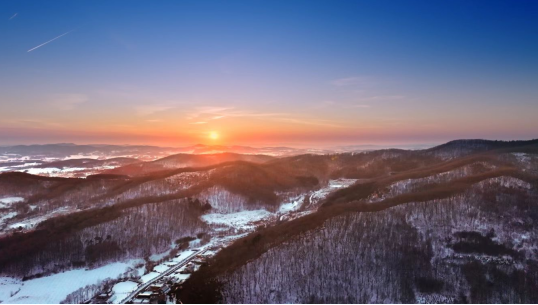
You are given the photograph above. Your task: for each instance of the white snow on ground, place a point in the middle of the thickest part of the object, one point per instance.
(158, 257)
(34, 168)
(408, 185)
(181, 257)
(246, 219)
(53, 171)
(188, 179)
(339, 183)
(157, 270)
(82, 156)
(16, 167)
(121, 290)
(8, 201)
(8, 287)
(28, 223)
(161, 268)
(236, 220)
(7, 216)
(13, 158)
(506, 181)
(195, 243)
(210, 253)
(54, 288)
(180, 276)
(148, 277)
(168, 264)
(32, 222)
(522, 157)
(291, 206)
(333, 185)
(27, 164)
(40, 171)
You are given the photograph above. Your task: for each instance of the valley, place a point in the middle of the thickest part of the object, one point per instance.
(209, 230)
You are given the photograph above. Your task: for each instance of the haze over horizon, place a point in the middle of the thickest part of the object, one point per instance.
(222, 148)
(260, 73)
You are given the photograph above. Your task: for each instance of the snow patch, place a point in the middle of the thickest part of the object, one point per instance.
(161, 268)
(522, 157)
(41, 171)
(32, 222)
(340, 183)
(55, 288)
(182, 256)
(7, 216)
(121, 290)
(148, 277)
(180, 277)
(237, 220)
(508, 182)
(8, 201)
(294, 205)
(158, 257)
(9, 287)
(319, 195)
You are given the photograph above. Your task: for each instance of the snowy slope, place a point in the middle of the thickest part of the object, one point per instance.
(54, 288)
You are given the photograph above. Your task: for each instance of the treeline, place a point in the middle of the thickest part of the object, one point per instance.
(86, 293)
(110, 235)
(438, 250)
(361, 190)
(255, 245)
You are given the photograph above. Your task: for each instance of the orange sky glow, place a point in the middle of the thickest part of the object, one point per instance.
(266, 74)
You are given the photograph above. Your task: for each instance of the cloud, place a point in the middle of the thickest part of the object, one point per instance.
(333, 104)
(30, 123)
(14, 15)
(382, 98)
(206, 114)
(144, 110)
(364, 81)
(324, 104)
(68, 101)
(359, 106)
(215, 113)
(309, 122)
(208, 110)
(39, 46)
(360, 102)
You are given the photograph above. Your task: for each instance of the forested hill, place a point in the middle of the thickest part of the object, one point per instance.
(461, 229)
(332, 207)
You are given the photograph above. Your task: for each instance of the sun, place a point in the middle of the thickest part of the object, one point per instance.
(213, 135)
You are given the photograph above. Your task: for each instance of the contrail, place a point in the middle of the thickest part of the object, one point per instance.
(39, 46)
(15, 15)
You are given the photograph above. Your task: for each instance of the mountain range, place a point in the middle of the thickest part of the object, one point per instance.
(451, 223)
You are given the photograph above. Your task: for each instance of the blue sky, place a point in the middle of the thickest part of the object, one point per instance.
(298, 72)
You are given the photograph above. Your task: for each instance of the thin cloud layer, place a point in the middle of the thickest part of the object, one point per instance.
(363, 81)
(68, 101)
(145, 110)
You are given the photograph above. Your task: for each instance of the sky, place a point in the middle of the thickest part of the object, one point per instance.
(266, 73)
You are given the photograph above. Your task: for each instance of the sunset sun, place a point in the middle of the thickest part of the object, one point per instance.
(213, 135)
